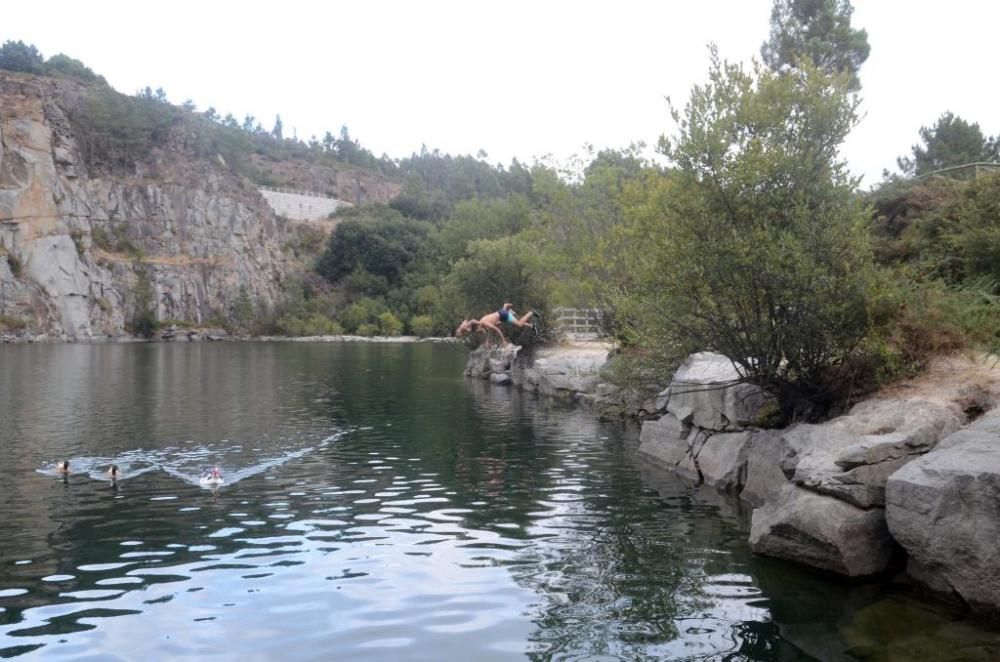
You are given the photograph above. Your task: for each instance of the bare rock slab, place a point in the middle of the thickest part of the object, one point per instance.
(706, 392)
(822, 532)
(944, 509)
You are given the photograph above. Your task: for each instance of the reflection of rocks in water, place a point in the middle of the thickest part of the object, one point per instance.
(898, 628)
(808, 608)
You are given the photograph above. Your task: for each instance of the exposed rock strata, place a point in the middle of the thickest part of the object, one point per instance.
(944, 509)
(78, 242)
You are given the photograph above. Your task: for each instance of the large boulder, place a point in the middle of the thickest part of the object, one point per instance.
(706, 391)
(672, 445)
(764, 479)
(487, 360)
(822, 532)
(562, 370)
(851, 456)
(944, 509)
(830, 513)
(717, 459)
(722, 460)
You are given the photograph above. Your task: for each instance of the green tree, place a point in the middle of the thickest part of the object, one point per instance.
(377, 240)
(819, 30)
(498, 270)
(143, 320)
(278, 132)
(19, 56)
(361, 312)
(389, 324)
(950, 141)
(243, 309)
(67, 66)
(422, 325)
(760, 249)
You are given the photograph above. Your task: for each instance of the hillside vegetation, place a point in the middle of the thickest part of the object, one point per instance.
(753, 240)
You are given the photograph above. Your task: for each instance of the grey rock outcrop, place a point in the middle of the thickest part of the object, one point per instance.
(822, 532)
(703, 436)
(707, 391)
(490, 360)
(851, 456)
(567, 371)
(944, 509)
(819, 490)
(831, 514)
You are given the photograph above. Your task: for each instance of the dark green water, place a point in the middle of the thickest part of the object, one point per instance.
(377, 506)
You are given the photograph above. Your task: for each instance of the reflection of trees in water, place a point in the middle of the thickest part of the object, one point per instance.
(620, 569)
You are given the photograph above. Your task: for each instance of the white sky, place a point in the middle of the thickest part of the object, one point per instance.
(516, 78)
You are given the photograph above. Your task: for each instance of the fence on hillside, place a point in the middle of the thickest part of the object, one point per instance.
(579, 323)
(965, 171)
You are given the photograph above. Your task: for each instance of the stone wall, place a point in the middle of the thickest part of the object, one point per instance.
(301, 206)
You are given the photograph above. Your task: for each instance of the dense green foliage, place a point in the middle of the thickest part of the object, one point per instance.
(118, 131)
(951, 141)
(760, 251)
(18, 56)
(816, 30)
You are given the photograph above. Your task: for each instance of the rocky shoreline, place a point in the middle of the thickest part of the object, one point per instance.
(907, 481)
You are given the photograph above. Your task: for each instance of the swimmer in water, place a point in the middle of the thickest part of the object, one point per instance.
(113, 473)
(212, 477)
(63, 467)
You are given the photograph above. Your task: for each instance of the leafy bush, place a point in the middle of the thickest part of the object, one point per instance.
(915, 320)
(305, 241)
(367, 330)
(9, 323)
(362, 311)
(422, 325)
(143, 321)
(389, 324)
(77, 237)
(115, 241)
(66, 66)
(378, 240)
(316, 325)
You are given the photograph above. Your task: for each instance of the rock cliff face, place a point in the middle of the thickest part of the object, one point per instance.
(80, 245)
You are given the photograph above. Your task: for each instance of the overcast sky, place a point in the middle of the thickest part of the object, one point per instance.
(515, 78)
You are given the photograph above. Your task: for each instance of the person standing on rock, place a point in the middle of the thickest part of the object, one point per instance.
(493, 322)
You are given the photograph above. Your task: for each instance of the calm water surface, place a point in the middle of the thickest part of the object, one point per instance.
(377, 506)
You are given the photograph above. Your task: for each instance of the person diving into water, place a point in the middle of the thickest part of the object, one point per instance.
(496, 320)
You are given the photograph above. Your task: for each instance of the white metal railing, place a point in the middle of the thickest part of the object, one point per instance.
(293, 191)
(579, 323)
(961, 171)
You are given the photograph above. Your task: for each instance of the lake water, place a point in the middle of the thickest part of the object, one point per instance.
(377, 506)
